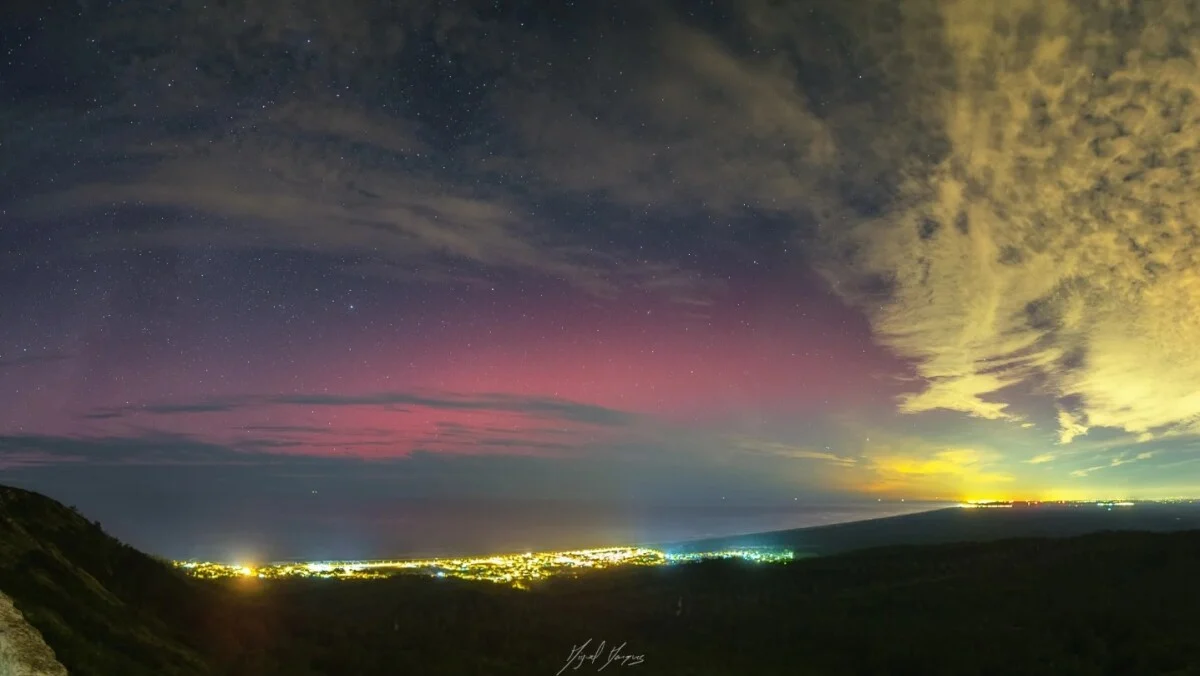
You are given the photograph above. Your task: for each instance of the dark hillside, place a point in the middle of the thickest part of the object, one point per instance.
(99, 603)
(1120, 603)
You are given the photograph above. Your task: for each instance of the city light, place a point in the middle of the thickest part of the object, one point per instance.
(517, 570)
(992, 504)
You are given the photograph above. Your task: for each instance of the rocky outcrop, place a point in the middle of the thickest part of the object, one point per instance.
(22, 650)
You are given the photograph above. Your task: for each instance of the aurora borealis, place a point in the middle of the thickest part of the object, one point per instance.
(733, 251)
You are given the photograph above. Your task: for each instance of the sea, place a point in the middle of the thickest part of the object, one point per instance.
(411, 529)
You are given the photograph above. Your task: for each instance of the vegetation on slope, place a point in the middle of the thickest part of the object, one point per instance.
(97, 602)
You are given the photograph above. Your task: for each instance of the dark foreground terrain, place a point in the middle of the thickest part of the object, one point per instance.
(1120, 603)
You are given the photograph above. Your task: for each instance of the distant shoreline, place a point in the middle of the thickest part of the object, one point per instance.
(823, 515)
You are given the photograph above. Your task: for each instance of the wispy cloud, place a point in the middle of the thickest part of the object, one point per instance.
(144, 448)
(1069, 427)
(288, 192)
(21, 456)
(299, 143)
(1122, 459)
(796, 452)
(379, 425)
(27, 358)
(535, 406)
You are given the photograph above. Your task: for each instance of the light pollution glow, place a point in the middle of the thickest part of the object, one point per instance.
(518, 570)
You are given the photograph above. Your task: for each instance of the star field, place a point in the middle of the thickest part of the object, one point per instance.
(671, 252)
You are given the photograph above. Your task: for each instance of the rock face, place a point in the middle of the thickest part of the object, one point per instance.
(22, 650)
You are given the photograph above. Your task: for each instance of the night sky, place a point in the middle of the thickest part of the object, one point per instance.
(322, 256)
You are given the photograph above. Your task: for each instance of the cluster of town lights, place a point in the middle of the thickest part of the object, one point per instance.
(518, 570)
(991, 504)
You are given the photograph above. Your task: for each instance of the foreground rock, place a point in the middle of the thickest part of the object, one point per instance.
(22, 650)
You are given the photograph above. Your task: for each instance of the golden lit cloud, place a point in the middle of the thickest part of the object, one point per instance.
(1033, 231)
(1069, 427)
(1054, 243)
(920, 469)
(964, 464)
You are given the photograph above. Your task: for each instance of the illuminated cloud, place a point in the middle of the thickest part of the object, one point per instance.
(1122, 459)
(967, 464)
(1052, 244)
(1004, 189)
(924, 469)
(1013, 218)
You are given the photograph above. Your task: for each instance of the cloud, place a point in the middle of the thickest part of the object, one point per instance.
(1005, 209)
(297, 129)
(12, 459)
(377, 426)
(918, 468)
(1042, 458)
(214, 406)
(998, 186)
(285, 189)
(707, 117)
(541, 406)
(965, 463)
(154, 448)
(796, 452)
(1003, 188)
(1052, 246)
(1122, 459)
(1069, 427)
(272, 446)
(25, 359)
(536, 406)
(667, 466)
